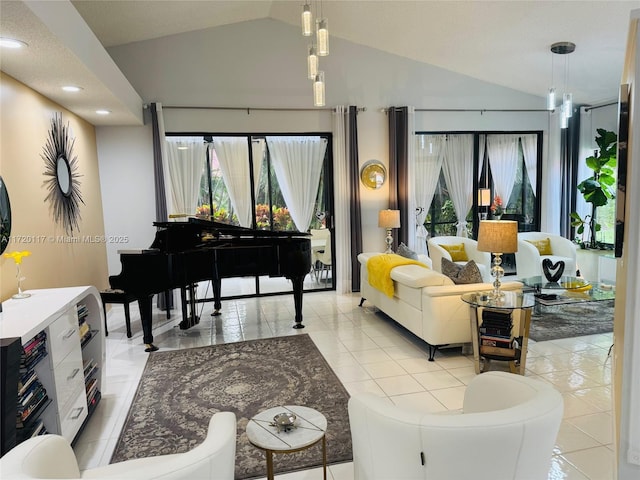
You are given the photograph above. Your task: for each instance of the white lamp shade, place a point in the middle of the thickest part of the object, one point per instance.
(318, 90)
(498, 236)
(389, 219)
(322, 34)
(306, 21)
(312, 63)
(484, 197)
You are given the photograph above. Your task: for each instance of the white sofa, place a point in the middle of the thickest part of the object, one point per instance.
(507, 430)
(51, 456)
(529, 260)
(425, 302)
(437, 253)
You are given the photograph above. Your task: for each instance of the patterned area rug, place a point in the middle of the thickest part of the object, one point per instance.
(571, 320)
(180, 390)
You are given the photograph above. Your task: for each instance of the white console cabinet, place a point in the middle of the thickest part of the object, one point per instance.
(72, 372)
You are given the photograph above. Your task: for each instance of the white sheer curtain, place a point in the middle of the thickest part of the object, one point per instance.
(185, 161)
(233, 158)
(342, 217)
(429, 151)
(458, 173)
(530, 150)
(503, 158)
(297, 162)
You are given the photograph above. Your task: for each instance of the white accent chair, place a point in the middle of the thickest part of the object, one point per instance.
(320, 256)
(507, 430)
(529, 260)
(51, 456)
(437, 253)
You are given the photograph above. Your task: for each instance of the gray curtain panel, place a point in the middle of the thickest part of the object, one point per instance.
(356, 214)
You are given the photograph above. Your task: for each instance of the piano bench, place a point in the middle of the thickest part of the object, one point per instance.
(120, 297)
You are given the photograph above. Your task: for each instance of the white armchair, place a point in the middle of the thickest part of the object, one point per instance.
(51, 456)
(507, 430)
(529, 260)
(437, 253)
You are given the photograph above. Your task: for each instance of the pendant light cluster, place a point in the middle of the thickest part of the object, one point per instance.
(318, 49)
(562, 48)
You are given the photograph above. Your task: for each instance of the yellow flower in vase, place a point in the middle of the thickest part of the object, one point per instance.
(17, 258)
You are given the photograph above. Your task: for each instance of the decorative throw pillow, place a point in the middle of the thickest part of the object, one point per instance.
(457, 252)
(461, 274)
(407, 252)
(543, 246)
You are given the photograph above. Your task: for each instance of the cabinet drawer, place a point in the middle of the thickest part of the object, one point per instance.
(63, 335)
(71, 418)
(69, 378)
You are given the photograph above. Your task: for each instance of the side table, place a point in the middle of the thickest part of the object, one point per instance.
(516, 351)
(310, 428)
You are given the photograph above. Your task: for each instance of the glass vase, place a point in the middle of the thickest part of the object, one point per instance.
(19, 278)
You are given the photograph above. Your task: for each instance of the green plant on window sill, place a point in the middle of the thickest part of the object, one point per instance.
(597, 189)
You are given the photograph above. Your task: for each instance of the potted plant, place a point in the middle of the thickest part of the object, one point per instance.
(598, 188)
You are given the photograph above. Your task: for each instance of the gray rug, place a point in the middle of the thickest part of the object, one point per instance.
(572, 320)
(180, 390)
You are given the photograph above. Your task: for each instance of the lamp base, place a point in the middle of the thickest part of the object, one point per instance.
(389, 241)
(498, 272)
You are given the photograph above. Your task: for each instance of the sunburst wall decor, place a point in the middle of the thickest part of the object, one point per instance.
(61, 172)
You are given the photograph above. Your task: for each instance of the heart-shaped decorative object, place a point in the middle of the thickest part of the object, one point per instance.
(320, 216)
(552, 271)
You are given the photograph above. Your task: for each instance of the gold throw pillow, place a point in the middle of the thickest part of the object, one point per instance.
(543, 246)
(457, 252)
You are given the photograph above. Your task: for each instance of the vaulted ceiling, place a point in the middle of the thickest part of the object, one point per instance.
(503, 42)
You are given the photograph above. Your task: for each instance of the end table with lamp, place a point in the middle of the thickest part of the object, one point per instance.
(511, 343)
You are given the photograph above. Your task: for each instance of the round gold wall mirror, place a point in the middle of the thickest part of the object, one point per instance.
(373, 174)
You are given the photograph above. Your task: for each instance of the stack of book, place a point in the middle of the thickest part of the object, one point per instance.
(91, 383)
(495, 333)
(31, 397)
(34, 351)
(83, 327)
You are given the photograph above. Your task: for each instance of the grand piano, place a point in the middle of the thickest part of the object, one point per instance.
(186, 252)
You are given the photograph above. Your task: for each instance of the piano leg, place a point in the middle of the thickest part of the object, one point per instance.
(298, 282)
(216, 286)
(189, 315)
(144, 303)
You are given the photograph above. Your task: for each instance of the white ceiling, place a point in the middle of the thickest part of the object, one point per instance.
(502, 42)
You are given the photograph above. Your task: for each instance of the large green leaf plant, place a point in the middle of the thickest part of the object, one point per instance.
(599, 188)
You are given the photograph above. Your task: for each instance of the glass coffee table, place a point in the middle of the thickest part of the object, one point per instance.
(568, 290)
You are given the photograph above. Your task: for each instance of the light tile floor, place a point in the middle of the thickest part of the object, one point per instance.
(369, 352)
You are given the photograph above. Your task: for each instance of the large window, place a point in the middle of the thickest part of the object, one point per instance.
(274, 182)
(506, 164)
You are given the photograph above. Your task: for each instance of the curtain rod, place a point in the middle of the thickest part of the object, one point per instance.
(587, 109)
(248, 109)
(481, 110)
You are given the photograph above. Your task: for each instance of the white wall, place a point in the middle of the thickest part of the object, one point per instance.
(128, 195)
(262, 63)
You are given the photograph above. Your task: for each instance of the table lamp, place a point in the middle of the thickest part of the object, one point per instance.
(498, 237)
(389, 219)
(484, 200)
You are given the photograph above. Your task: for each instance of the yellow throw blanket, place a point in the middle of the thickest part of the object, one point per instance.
(379, 270)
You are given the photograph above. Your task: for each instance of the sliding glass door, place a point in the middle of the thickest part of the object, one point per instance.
(265, 182)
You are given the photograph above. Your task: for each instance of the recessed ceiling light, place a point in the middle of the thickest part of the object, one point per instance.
(71, 88)
(183, 147)
(11, 43)
(103, 112)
